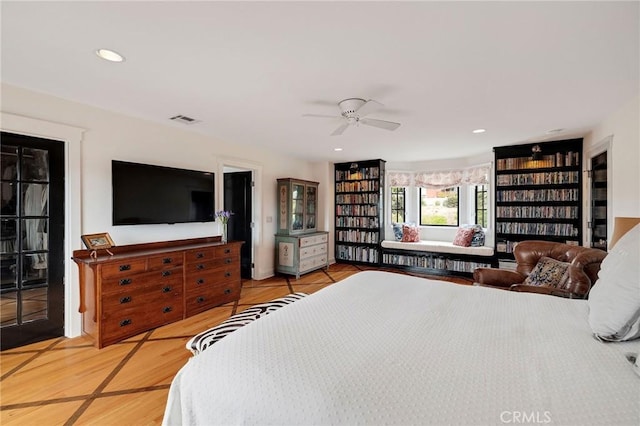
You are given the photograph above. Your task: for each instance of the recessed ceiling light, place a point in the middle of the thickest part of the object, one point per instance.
(109, 55)
(479, 131)
(337, 149)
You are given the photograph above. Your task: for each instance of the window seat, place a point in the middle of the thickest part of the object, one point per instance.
(437, 257)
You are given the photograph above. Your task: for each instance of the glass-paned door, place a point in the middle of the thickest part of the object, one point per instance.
(599, 201)
(310, 211)
(297, 207)
(31, 239)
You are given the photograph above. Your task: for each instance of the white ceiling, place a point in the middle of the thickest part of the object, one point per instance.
(249, 70)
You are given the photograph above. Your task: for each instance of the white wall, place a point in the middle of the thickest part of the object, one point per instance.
(623, 159)
(109, 136)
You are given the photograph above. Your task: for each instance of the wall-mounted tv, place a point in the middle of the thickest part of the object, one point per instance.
(146, 194)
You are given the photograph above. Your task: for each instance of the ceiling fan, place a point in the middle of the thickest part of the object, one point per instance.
(354, 111)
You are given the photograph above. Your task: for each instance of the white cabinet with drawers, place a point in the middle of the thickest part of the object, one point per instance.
(299, 254)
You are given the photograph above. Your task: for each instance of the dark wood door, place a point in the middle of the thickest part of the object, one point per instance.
(237, 198)
(31, 239)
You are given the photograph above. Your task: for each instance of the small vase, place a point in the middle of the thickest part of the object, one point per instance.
(224, 233)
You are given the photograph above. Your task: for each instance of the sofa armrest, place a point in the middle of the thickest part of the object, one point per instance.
(497, 277)
(545, 290)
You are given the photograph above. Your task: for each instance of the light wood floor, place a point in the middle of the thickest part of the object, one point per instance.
(69, 382)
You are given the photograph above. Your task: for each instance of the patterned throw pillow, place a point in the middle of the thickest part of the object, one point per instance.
(463, 237)
(397, 231)
(410, 234)
(478, 236)
(548, 273)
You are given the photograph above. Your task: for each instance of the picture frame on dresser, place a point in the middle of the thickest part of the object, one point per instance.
(97, 241)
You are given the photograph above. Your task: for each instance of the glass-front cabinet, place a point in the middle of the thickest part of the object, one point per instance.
(297, 206)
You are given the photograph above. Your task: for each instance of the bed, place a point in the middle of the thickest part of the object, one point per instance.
(385, 348)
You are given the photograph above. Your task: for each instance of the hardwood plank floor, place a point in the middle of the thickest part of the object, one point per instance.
(70, 382)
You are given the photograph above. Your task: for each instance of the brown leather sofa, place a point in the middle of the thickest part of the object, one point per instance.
(583, 270)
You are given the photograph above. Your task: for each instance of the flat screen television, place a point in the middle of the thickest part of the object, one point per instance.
(146, 194)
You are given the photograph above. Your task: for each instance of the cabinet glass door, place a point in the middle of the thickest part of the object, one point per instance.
(297, 207)
(310, 211)
(599, 201)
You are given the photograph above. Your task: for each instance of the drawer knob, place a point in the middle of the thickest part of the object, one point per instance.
(227, 251)
(125, 322)
(167, 309)
(167, 260)
(200, 299)
(227, 291)
(199, 255)
(126, 299)
(200, 281)
(166, 273)
(199, 266)
(228, 260)
(125, 281)
(166, 289)
(125, 268)
(227, 274)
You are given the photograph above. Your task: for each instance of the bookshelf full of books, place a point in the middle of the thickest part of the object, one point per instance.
(359, 209)
(538, 194)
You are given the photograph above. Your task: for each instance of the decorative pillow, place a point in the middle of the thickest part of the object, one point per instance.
(478, 236)
(548, 273)
(614, 301)
(397, 231)
(410, 234)
(463, 237)
(202, 341)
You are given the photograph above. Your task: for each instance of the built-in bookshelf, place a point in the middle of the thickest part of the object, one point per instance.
(436, 263)
(359, 209)
(598, 221)
(538, 194)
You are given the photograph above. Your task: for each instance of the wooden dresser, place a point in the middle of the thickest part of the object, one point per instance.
(143, 286)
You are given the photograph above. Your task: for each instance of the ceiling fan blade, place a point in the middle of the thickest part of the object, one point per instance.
(340, 130)
(322, 115)
(387, 125)
(369, 107)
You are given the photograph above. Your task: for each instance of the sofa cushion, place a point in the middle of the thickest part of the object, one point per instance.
(397, 231)
(548, 272)
(410, 234)
(614, 301)
(478, 236)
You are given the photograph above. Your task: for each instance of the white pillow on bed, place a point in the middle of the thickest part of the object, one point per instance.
(614, 301)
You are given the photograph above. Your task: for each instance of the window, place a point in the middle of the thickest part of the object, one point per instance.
(481, 205)
(398, 204)
(439, 206)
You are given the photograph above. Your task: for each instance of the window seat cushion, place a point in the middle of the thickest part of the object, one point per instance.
(438, 247)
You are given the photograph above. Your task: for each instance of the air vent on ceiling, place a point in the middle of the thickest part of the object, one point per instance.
(184, 119)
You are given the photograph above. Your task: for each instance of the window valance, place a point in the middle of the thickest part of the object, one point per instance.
(477, 175)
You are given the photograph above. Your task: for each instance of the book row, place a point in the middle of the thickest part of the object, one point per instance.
(355, 236)
(432, 262)
(357, 253)
(552, 229)
(357, 222)
(558, 159)
(358, 186)
(535, 212)
(371, 198)
(356, 210)
(548, 178)
(538, 195)
(357, 174)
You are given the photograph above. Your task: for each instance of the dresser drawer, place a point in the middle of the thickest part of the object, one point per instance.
(212, 277)
(199, 255)
(313, 263)
(126, 267)
(227, 251)
(139, 296)
(199, 267)
(168, 260)
(122, 323)
(131, 280)
(312, 251)
(313, 239)
(206, 298)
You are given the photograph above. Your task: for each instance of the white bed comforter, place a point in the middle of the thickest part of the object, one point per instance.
(383, 348)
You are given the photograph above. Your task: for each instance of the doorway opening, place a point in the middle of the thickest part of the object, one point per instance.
(238, 198)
